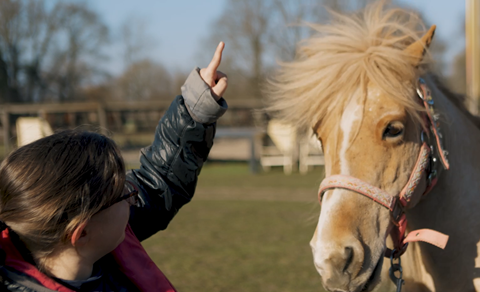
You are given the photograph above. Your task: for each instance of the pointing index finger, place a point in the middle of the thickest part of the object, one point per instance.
(217, 57)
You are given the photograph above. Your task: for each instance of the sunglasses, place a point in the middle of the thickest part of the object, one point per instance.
(131, 198)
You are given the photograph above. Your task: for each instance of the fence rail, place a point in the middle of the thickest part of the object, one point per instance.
(107, 114)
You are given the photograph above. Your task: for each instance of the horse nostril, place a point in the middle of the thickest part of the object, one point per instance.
(348, 258)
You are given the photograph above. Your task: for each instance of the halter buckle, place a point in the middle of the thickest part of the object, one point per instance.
(423, 92)
(397, 211)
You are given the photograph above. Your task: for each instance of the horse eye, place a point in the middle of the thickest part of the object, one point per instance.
(393, 130)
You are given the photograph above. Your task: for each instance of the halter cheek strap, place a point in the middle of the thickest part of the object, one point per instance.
(410, 194)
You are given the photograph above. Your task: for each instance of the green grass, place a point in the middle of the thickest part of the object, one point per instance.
(237, 174)
(242, 242)
(233, 181)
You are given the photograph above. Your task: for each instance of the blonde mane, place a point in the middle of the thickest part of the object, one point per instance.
(344, 57)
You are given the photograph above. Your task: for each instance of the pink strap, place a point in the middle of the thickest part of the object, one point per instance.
(417, 173)
(354, 184)
(358, 186)
(398, 234)
(427, 235)
(400, 241)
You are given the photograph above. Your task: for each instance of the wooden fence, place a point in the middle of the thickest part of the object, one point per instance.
(109, 115)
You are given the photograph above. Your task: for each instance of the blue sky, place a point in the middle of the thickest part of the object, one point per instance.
(176, 28)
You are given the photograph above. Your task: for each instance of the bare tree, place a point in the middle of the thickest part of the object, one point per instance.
(47, 51)
(136, 42)
(244, 25)
(26, 29)
(144, 80)
(289, 24)
(289, 19)
(258, 32)
(75, 61)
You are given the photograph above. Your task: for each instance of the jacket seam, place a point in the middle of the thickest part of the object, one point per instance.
(199, 98)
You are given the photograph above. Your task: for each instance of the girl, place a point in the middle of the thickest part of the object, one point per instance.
(72, 219)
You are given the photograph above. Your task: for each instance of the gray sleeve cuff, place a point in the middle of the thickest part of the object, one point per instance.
(200, 102)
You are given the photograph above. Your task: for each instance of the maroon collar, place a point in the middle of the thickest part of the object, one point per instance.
(130, 256)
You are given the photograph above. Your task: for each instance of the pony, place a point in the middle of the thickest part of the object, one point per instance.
(390, 134)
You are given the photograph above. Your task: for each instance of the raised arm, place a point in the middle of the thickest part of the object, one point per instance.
(184, 136)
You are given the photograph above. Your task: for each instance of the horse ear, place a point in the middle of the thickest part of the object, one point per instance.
(417, 50)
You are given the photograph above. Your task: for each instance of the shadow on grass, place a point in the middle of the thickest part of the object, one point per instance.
(243, 232)
(238, 246)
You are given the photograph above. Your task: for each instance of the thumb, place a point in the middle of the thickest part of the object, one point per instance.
(220, 88)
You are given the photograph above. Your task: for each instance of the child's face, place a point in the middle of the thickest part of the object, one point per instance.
(107, 228)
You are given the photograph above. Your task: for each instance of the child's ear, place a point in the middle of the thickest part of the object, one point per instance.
(79, 235)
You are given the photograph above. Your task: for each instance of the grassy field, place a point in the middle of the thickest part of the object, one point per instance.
(242, 232)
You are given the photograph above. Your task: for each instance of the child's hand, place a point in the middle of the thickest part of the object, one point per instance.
(215, 79)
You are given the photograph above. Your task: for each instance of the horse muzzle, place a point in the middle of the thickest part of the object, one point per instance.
(342, 268)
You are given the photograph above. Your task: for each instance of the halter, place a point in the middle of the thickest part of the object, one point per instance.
(422, 179)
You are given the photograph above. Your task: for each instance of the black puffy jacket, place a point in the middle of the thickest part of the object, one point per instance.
(169, 169)
(168, 173)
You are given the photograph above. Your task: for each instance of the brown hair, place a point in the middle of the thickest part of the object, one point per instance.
(49, 187)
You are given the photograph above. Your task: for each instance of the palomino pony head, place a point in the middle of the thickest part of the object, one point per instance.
(355, 85)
